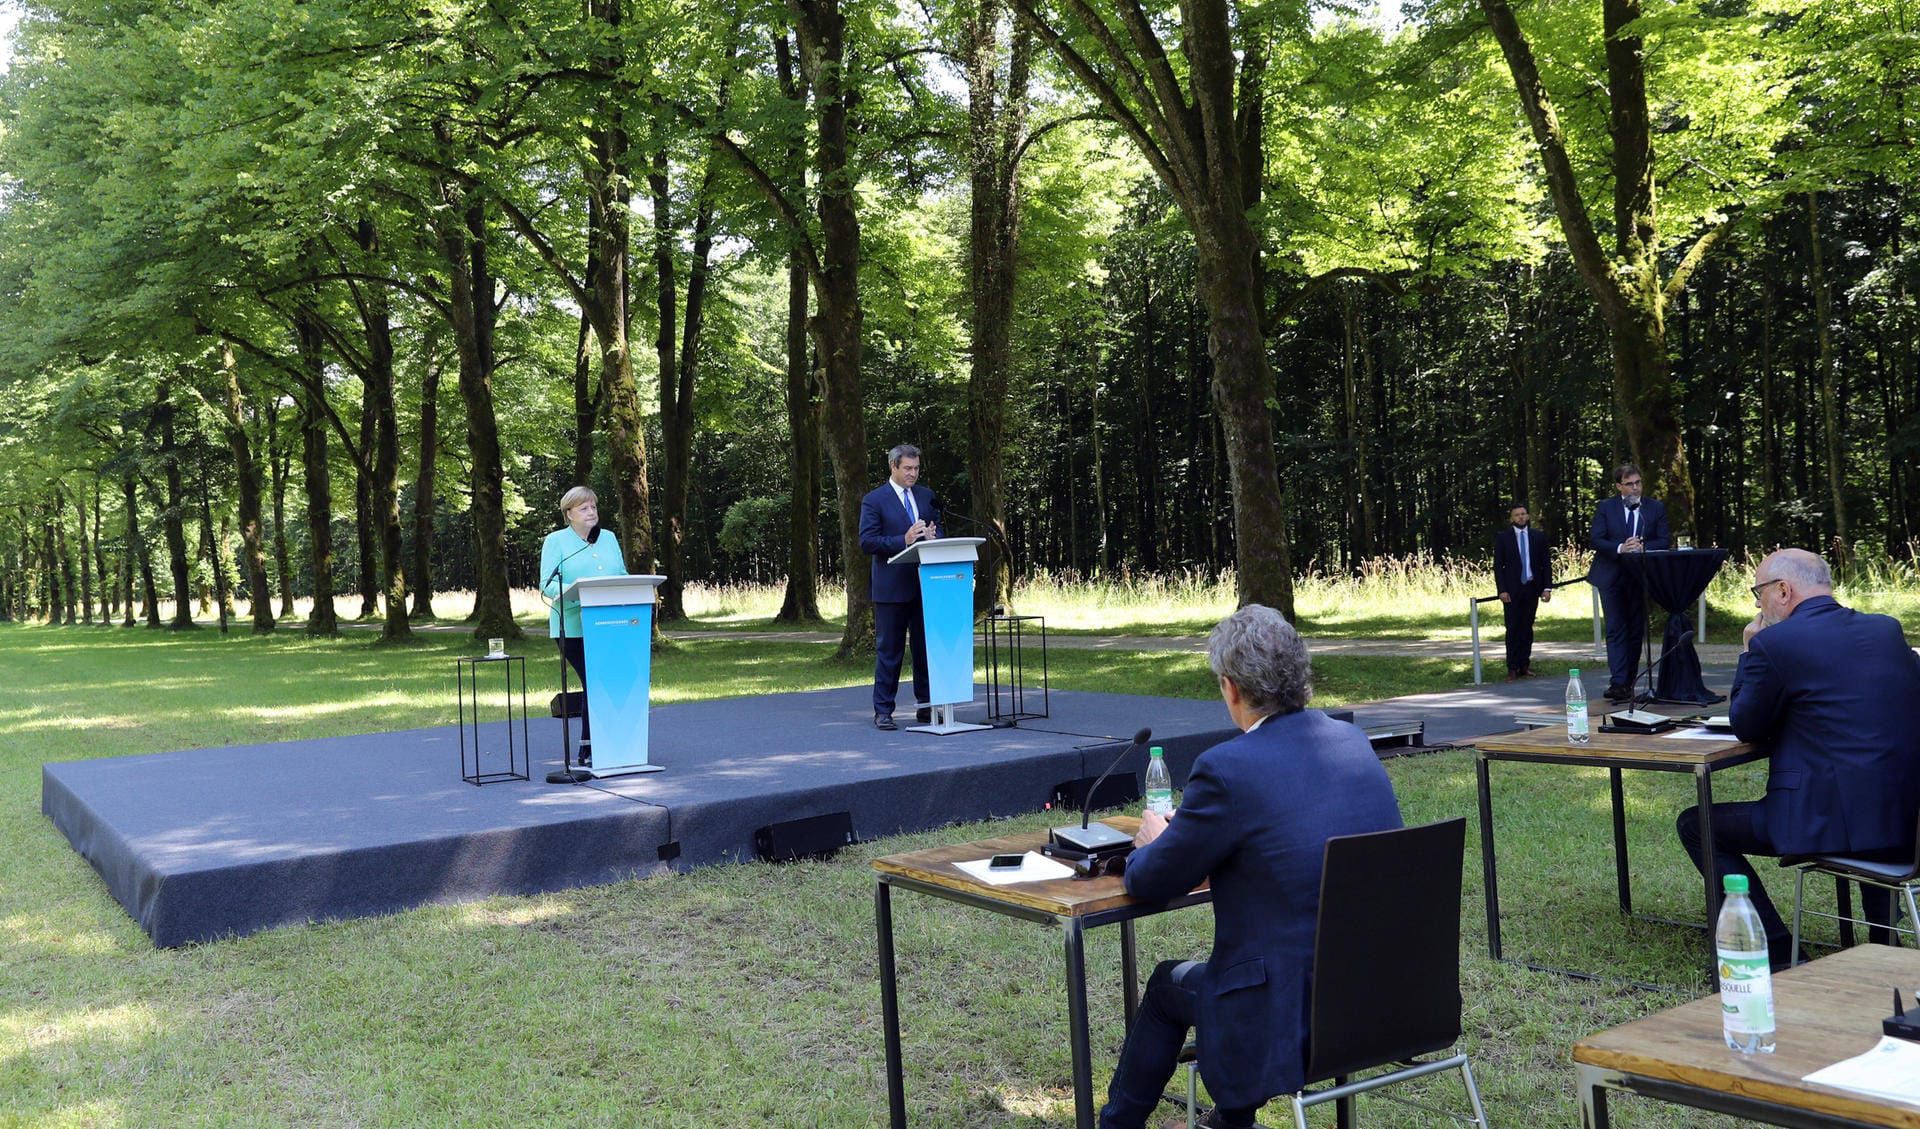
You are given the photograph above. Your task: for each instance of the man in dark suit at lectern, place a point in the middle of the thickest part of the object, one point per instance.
(1626, 524)
(1522, 569)
(893, 515)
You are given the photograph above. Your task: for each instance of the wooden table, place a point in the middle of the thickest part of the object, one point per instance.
(1075, 905)
(1828, 1010)
(1657, 752)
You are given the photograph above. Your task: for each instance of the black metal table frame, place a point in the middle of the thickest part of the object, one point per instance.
(1012, 628)
(1593, 1082)
(465, 668)
(1703, 799)
(1073, 929)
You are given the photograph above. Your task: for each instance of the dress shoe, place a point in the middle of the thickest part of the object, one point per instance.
(883, 721)
(1619, 694)
(1528, 673)
(923, 715)
(585, 757)
(1514, 676)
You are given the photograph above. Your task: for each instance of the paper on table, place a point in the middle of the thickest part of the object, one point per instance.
(1034, 867)
(1693, 733)
(1890, 1070)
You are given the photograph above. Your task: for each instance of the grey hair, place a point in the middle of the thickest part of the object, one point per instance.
(1802, 569)
(1265, 657)
(574, 497)
(903, 451)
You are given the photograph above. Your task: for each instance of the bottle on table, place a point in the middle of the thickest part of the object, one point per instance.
(1576, 709)
(1746, 979)
(1159, 783)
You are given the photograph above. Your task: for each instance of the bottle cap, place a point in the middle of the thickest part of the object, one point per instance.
(1734, 883)
(1574, 673)
(1155, 751)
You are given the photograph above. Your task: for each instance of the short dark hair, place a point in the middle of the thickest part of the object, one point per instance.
(1623, 470)
(903, 451)
(1517, 506)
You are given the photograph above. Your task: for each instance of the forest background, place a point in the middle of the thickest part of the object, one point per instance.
(338, 297)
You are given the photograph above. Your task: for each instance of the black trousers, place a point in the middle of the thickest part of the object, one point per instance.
(1152, 1051)
(892, 624)
(574, 652)
(1518, 614)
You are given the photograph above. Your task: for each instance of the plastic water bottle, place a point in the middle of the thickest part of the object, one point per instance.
(1576, 709)
(1159, 783)
(1746, 982)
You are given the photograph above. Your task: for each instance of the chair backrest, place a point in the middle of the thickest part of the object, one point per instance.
(1386, 952)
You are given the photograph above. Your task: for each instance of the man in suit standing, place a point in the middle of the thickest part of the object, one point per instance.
(1626, 524)
(893, 515)
(1254, 821)
(1834, 696)
(1522, 570)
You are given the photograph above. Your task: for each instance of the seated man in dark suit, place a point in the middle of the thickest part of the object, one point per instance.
(1834, 696)
(1255, 818)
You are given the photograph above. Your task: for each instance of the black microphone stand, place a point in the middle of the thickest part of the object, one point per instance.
(1097, 841)
(566, 773)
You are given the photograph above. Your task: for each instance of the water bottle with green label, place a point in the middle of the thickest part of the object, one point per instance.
(1576, 709)
(1746, 976)
(1159, 783)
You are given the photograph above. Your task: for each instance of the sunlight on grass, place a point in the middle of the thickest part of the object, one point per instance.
(126, 1023)
(518, 913)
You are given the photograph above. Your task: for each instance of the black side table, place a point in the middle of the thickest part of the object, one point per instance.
(1006, 641)
(467, 680)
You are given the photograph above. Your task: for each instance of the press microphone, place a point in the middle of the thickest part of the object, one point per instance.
(593, 535)
(1093, 840)
(1646, 721)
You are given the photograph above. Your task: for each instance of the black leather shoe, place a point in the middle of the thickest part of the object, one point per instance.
(585, 757)
(923, 715)
(1619, 694)
(883, 721)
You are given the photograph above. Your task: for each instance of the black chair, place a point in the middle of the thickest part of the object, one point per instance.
(1901, 876)
(1386, 969)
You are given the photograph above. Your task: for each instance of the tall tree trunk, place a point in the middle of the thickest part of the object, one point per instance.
(210, 549)
(470, 302)
(801, 604)
(1829, 393)
(424, 487)
(279, 460)
(382, 457)
(172, 519)
(324, 620)
(996, 139)
(86, 559)
(366, 556)
(139, 556)
(247, 475)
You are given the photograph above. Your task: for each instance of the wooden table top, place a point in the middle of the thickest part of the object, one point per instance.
(1625, 748)
(1827, 1010)
(1064, 897)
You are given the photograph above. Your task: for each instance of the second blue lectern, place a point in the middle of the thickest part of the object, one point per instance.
(946, 602)
(616, 628)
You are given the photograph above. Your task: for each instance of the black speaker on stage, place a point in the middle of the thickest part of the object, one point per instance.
(816, 836)
(1118, 790)
(568, 704)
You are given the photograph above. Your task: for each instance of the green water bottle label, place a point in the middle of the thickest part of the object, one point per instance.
(1746, 992)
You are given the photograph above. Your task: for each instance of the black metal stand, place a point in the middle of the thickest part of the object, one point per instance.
(467, 676)
(567, 773)
(1006, 638)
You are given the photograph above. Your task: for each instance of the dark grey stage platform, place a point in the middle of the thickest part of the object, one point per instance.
(211, 843)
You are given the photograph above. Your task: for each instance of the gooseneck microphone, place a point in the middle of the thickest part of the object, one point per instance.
(1095, 840)
(1646, 721)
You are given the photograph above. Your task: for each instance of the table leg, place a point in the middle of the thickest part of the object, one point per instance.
(1703, 799)
(1129, 972)
(1620, 841)
(1074, 941)
(1488, 877)
(1593, 1098)
(890, 1005)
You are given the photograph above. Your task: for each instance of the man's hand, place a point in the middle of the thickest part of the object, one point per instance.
(1506, 597)
(1754, 627)
(1152, 823)
(1632, 545)
(1546, 595)
(920, 530)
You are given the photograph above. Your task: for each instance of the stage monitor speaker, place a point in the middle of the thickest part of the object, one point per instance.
(568, 704)
(817, 836)
(1119, 790)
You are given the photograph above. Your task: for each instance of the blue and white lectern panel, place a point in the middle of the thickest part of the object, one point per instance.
(946, 604)
(616, 630)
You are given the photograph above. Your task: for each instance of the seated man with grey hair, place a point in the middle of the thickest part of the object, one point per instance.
(1254, 820)
(1833, 695)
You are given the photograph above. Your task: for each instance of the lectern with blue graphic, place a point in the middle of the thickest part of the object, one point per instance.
(616, 628)
(946, 604)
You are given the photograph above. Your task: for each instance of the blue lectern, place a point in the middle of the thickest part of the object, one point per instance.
(946, 602)
(616, 628)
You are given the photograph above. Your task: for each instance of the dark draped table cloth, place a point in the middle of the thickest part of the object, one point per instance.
(1674, 579)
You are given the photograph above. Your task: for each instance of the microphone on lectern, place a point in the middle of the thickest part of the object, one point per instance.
(1090, 840)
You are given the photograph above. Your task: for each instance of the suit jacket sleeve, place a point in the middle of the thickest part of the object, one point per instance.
(874, 540)
(1758, 695)
(1600, 536)
(1506, 572)
(1194, 844)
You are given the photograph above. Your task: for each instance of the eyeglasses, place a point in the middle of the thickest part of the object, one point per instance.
(1086, 870)
(1631, 482)
(1757, 588)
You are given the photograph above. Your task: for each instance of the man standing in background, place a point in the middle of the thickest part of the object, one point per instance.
(1522, 570)
(1626, 524)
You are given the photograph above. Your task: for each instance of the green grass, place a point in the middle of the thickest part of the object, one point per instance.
(734, 996)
